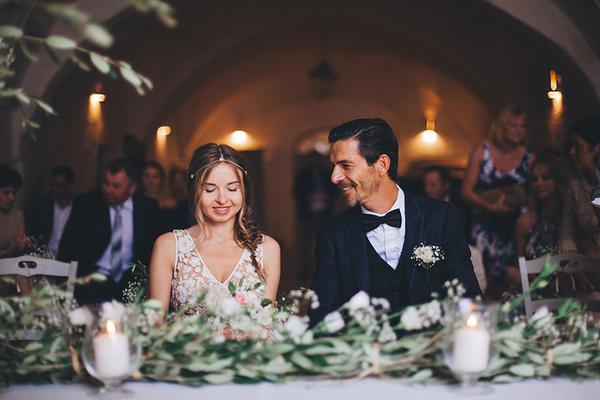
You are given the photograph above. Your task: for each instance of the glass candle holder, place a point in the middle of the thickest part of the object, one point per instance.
(468, 346)
(108, 353)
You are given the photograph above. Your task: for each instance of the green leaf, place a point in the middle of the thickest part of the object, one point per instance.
(204, 366)
(232, 288)
(536, 358)
(152, 304)
(526, 370)
(130, 76)
(574, 358)
(80, 63)
(266, 302)
(45, 106)
(98, 35)
(10, 31)
(421, 376)
(33, 346)
(97, 277)
(219, 379)
(60, 42)
(320, 350)
(565, 349)
(301, 360)
(52, 54)
(27, 51)
(100, 62)
(503, 379)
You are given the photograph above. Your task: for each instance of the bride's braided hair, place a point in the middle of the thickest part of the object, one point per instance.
(205, 158)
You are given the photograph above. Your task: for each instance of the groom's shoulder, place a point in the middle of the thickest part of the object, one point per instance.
(429, 205)
(343, 219)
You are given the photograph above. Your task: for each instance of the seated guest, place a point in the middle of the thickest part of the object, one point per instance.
(109, 230)
(46, 216)
(437, 185)
(13, 241)
(580, 229)
(436, 182)
(153, 179)
(184, 217)
(538, 230)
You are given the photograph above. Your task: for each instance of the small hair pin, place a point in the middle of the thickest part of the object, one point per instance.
(192, 176)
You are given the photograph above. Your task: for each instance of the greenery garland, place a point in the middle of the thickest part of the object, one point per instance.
(359, 340)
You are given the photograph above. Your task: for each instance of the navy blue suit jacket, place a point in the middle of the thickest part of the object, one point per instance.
(341, 254)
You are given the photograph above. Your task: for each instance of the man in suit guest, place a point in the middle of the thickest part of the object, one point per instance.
(369, 246)
(46, 216)
(108, 230)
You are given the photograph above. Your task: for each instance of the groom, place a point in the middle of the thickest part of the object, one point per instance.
(370, 246)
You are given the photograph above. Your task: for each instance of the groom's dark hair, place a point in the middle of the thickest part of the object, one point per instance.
(375, 137)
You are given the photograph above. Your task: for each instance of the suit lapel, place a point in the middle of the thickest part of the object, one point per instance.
(414, 232)
(356, 240)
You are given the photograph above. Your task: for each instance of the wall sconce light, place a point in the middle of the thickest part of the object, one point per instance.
(555, 80)
(163, 131)
(98, 96)
(429, 135)
(239, 138)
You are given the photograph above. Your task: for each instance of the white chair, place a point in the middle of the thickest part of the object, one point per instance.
(567, 263)
(29, 266)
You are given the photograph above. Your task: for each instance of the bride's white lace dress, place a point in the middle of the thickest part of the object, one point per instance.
(191, 276)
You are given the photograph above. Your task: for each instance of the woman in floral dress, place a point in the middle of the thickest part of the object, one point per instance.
(224, 254)
(499, 163)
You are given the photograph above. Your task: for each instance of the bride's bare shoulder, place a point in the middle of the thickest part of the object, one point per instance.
(165, 243)
(271, 247)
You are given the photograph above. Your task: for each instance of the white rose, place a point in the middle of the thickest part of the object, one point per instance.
(410, 319)
(113, 310)
(358, 301)
(334, 322)
(81, 316)
(296, 326)
(230, 307)
(539, 314)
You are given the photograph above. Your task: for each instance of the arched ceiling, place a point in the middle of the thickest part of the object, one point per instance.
(242, 65)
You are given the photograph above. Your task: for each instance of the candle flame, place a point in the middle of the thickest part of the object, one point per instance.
(472, 321)
(110, 326)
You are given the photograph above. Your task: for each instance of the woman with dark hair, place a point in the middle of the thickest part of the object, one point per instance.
(153, 182)
(493, 185)
(224, 247)
(13, 241)
(538, 230)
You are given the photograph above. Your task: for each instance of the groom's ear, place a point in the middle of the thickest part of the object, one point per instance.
(382, 165)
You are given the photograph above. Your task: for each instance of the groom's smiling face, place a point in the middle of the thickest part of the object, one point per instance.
(352, 175)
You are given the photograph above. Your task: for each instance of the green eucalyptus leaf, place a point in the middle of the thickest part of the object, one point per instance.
(10, 31)
(504, 378)
(97, 277)
(421, 376)
(130, 76)
(526, 370)
(33, 346)
(100, 62)
(60, 42)
(574, 358)
(219, 379)
(301, 360)
(97, 34)
(232, 288)
(565, 349)
(536, 358)
(45, 106)
(27, 51)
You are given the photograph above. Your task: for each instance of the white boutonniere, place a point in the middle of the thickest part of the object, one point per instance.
(427, 256)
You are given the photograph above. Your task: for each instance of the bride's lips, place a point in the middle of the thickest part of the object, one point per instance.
(221, 210)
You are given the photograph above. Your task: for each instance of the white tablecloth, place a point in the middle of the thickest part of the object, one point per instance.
(367, 389)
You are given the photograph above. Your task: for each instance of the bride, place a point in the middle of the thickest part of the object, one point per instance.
(224, 246)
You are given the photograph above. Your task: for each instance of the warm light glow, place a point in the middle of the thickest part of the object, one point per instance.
(239, 138)
(472, 321)
(110, 326)
(429, 136)
(97, 98)
(553, 80)
(163, 131)
(555, 95)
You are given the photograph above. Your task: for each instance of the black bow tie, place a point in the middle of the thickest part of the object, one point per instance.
(393, 218)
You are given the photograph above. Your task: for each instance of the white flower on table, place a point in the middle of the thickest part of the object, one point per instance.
(358, 301)
(296, 326)
(411, 320)
(334, 322)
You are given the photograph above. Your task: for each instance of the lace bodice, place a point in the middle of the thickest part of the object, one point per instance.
(191, 274)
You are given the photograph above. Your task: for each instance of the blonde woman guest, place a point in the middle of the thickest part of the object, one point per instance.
(224, 246)
(495, 176)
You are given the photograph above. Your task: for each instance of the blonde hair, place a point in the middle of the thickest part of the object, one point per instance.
(204, 160)
(498, 130)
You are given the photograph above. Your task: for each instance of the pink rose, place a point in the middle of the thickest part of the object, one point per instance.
(241, 298)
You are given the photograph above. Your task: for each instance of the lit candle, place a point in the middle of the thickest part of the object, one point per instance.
(471, 347)
(111, 351)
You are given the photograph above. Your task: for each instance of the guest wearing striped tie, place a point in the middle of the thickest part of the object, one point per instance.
(108, 230)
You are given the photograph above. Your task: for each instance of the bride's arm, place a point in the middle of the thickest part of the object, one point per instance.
(161, 268)
(272, 266)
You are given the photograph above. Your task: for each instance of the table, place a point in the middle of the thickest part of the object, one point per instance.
(366, 389)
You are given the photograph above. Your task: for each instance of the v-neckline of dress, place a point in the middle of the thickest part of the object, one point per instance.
(206, 265)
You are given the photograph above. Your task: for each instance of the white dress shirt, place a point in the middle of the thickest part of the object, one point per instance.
(387, 240)
(59, 220)
(127, 239)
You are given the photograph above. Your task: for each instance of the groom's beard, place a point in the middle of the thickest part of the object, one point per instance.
(356, 196)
